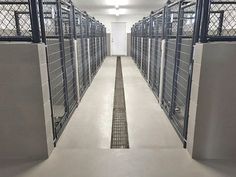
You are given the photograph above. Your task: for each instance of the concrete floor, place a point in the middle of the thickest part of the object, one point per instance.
(83, 150)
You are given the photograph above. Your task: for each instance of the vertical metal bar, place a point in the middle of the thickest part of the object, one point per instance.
(197, 22)
(221, 20)
(205, 20)
(17, 22)
(42, 25)
(33, 7)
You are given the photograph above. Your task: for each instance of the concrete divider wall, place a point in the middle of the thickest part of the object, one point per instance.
(26, 124)
(212, 122)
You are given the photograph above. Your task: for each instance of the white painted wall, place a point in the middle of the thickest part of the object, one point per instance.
(129, 19)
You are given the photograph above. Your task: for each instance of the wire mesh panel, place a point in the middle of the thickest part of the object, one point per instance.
(79, 51)
(15, 20)
(134, 45)
(59, 35)
(101, 48)
(83, 51)
(135, 48)
(145, 53)
(155, 56)
(183, 65)
(145, 57)
(98, 51)
(68, 34)
(80, 67)
(56, 66)
(85, 57)
(222, 23)
(139, 52)
(171, 24)
(93, 55)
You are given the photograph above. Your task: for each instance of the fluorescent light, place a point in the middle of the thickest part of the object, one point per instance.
(117, 12)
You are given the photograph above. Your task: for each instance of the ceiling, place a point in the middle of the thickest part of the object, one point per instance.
(126, 7)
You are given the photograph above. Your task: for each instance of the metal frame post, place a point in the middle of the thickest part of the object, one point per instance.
(33, 7)
(204, 20)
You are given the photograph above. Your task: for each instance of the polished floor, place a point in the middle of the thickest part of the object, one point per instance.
(84, 148)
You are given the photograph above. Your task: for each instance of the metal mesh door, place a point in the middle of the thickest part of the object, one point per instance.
(69, 57)
(155, 56)
(171, 29)
(183, 66)
(139, 58)
(145, 57)
(60, 56)
(93, 56)
(55, 64)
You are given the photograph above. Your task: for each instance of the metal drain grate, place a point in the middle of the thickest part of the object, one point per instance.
(119, 138)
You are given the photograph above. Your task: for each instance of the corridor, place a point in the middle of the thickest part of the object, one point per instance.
(83, 149)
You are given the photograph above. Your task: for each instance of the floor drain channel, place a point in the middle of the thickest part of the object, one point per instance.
(119, 138)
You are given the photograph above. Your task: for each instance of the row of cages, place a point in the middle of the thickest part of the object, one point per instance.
(163, 45)
(75, 48)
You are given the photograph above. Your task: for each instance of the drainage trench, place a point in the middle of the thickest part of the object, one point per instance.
(119, 137)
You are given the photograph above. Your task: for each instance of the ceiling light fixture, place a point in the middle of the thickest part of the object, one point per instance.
(117, 12)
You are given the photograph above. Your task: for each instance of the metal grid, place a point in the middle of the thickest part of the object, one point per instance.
(222, 17)
(145, 48)
(60, 56)
(139, 52)
(171, 24)
(183, 65)
(98, 57)
(155, 56)
(68, 35)
(135, 47)
(119, 138)
(93, 56)
(85, 52)
(15, 20)
(144, 68)
(56, 67)
(80, 67)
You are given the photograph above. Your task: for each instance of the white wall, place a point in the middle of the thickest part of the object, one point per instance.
(129, 19)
